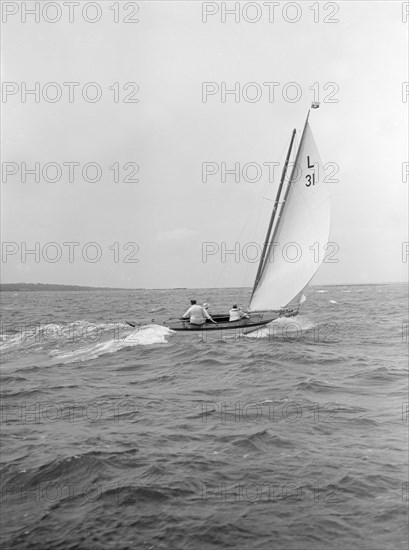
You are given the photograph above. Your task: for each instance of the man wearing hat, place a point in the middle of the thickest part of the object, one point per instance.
(236, 313)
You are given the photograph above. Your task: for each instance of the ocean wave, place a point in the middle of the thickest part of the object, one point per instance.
(315, 385)
(141, 336)
(284, 327)
(50, 335)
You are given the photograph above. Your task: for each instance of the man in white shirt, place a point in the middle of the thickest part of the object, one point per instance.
(236, 313)
(197, 315)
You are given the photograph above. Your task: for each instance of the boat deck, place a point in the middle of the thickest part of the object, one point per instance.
(223, 323)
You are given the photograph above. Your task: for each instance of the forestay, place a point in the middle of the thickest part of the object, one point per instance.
(300, 233)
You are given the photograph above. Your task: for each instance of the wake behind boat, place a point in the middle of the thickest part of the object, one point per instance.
(301, 218)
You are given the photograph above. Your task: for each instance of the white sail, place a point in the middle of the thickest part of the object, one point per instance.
(299, 234)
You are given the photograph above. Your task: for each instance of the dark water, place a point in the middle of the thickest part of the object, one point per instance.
(294, 437)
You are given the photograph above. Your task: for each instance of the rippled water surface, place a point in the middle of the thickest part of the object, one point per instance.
(292, 437)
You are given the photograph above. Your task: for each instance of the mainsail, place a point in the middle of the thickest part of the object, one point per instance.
(296, 240)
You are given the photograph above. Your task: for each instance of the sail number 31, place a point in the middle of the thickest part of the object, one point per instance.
(310, 177)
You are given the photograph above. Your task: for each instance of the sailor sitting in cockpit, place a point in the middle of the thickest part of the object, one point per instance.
(236, 313)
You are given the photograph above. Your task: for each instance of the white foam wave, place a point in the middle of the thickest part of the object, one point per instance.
(81, 340)
(148, 334)
(141, 336)
(38, 334)
(88, 352)
(283, 327)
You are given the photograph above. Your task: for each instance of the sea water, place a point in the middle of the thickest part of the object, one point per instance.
(291, 437)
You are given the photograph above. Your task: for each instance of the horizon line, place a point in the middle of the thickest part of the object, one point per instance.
(90, 287)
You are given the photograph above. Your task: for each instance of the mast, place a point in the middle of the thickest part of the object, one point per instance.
(289, 184)
(270, 225)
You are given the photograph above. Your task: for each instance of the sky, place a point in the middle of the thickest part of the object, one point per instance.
(135, 206)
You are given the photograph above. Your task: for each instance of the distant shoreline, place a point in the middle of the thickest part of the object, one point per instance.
(38, 287)
(29, 287)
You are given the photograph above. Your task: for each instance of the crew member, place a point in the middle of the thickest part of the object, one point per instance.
(236, 313)
(197, 314)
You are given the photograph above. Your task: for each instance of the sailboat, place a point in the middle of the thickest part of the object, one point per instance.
(300, 217)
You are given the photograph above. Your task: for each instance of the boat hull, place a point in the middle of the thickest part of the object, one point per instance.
(222, 322)
(256, 319)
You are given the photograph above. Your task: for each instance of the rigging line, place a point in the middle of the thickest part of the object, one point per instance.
(257, 204)
(255, 212)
